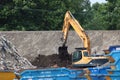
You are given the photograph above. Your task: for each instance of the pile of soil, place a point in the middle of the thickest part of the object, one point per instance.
(42, 61)
(62, 59)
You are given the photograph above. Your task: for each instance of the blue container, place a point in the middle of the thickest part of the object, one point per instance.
(114, 76)
(114, 48)
(115, 55)
(53, 74)
(98, 73)
(116, 64)
(97, 77)
(99, 70)
(114, 71)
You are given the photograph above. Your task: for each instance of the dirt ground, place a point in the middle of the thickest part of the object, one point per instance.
(63, 59)
(51, 61)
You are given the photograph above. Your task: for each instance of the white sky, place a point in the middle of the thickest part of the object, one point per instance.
(99, 1)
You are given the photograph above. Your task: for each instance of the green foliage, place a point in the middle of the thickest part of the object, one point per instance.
(32, 15)
(97, 21)
(113, 14)
(39, 14)
(13, 14)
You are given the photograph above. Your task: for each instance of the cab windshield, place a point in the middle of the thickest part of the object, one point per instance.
(77, 55)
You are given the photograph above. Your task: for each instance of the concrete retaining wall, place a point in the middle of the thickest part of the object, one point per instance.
(32, 43)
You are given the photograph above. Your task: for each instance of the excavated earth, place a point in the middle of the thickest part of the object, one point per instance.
(62, 59)
(54, 60)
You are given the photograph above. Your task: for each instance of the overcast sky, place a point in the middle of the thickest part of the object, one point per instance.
(100, 1)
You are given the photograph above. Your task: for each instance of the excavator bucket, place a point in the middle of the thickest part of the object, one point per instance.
(62, 49)
(63, 53)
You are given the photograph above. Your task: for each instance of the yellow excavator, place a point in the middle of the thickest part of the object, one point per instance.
(82, 57)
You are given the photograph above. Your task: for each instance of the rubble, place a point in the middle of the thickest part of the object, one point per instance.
(10, 59)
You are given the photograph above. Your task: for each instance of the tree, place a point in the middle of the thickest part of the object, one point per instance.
(97, 21)
(13, 14)
(113, 11)
(39, 14)
(105, 16)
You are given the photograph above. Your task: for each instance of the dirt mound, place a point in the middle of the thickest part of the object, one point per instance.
(51, 60)
(63, 59)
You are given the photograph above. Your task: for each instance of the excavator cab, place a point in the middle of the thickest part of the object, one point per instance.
(78, 54)
(82, 59)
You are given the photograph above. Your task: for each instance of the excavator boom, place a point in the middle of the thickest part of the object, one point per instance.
(69, 20)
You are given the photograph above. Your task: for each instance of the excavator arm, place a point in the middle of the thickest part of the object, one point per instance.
(69, 20)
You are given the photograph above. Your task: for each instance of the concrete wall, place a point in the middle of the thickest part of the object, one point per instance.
(32, 43)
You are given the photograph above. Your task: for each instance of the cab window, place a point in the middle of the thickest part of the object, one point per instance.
(86, 54)
(77, 56)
